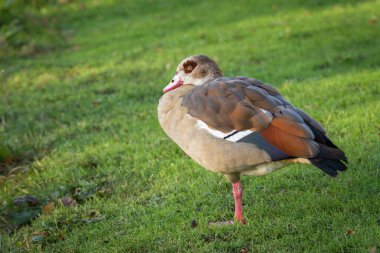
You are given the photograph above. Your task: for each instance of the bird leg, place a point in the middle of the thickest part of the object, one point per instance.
(238, 195)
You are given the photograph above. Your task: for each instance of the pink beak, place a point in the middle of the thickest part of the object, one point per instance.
(175, 83)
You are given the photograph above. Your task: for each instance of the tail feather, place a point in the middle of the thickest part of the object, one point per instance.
(330, 159)
(338, 165)
(326, 152)
(329, 166)
(324, 166)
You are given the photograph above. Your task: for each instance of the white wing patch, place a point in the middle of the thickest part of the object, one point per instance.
(239, 135)
(233, 136)
(216, 133)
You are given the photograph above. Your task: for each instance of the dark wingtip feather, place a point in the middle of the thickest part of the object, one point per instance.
(329, 166)
(338, 165)
(326, 152)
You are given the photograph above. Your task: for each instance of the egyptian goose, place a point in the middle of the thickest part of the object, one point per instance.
(240, 126)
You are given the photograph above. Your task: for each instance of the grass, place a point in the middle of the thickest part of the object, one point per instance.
(82, 128)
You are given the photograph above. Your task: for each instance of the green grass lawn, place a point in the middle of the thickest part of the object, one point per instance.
(85, 141)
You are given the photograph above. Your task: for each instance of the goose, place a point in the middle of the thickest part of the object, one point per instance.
(240, 126)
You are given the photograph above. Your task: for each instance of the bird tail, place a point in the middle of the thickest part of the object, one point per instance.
(330, 160)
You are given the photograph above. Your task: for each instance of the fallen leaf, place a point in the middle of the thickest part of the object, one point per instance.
(39, 233)
(244, 250)
(48, 208)
(27, 200)
(194, 224)
(68, 202)
(350, 232)
(372, 20)
(373, 249)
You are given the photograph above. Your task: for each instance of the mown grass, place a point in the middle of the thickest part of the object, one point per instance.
(81, 124)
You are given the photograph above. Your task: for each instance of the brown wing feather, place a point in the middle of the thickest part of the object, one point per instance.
(223, 104)
(228, 104)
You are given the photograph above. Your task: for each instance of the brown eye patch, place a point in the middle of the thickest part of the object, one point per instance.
(189, 65)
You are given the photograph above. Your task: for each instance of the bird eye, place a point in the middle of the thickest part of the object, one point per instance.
(173, 81)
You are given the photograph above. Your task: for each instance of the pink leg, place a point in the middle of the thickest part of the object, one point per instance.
(238, 194)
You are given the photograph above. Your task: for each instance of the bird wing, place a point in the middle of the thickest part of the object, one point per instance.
(238, 104)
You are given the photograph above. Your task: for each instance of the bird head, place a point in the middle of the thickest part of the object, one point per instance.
(194, 70)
